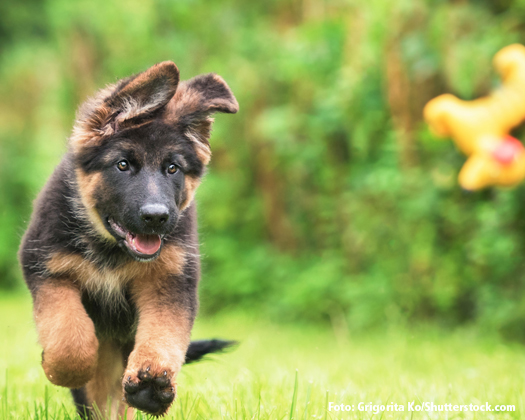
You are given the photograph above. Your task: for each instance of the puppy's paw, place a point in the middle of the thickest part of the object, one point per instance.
(150, 390)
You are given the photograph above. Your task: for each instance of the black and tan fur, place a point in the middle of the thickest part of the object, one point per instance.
(113, 322)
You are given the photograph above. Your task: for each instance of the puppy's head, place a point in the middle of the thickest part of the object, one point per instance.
(140, 148)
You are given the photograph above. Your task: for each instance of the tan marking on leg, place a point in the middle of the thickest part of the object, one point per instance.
(105, 386)
(162, 339)
(66, 333)
(126, 412)
(163, 332)
(87, 186)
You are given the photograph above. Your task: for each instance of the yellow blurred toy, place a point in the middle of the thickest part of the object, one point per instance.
(480, 128)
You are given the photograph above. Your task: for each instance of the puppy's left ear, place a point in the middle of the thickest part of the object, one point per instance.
(124, 104)
(145, 93)
(193, 104)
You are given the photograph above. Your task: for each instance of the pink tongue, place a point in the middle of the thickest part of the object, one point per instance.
(147, 244)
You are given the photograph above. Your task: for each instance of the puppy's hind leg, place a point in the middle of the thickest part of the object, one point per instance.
(101, 398)
(81, 403)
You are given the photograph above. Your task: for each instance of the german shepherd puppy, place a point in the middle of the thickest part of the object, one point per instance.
(111, 253)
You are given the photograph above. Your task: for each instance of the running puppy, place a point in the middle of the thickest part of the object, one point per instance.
(111, 253)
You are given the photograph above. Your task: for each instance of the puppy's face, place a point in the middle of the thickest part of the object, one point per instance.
(140, 149)
(145, 177)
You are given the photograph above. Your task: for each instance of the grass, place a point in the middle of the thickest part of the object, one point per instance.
(292, 372)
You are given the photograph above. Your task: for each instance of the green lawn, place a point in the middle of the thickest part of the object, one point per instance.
(258, 379)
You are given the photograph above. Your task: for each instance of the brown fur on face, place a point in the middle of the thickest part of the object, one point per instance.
(66, 334)
(88, 184)
(190, 186)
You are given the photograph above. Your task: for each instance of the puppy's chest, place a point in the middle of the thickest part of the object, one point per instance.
(106, 292)
(106, 284)
(112, 310)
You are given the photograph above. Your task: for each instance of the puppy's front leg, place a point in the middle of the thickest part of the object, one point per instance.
(66, 333)
(166, 311)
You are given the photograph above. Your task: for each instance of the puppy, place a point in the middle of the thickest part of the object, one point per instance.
(111, 252)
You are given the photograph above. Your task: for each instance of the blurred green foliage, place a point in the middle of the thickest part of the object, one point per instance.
(327, 199)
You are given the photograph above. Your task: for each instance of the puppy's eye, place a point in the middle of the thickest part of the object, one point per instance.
(123, 165)
(172, 169)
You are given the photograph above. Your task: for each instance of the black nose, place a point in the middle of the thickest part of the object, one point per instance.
(154, 215)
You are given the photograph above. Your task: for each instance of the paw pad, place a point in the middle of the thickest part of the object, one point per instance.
(150, 393)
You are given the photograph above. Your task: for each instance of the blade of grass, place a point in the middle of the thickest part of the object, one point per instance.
(294, 396)
(5, 395)
(308, 394)
(326, 406)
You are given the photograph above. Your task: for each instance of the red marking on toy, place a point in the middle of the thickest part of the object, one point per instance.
(508, 150)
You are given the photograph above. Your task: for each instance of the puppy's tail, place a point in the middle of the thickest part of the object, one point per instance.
(198, 349)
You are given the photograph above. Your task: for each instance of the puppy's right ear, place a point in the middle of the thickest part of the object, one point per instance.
(121, 104)
(193, 106)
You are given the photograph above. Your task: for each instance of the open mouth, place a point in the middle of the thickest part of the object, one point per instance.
(141, 246)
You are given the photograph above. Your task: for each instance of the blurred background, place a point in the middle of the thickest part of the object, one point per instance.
(327, 200)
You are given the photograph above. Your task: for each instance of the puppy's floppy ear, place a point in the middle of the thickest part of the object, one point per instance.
(146, 92)
(120, 104)
(192, 106)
